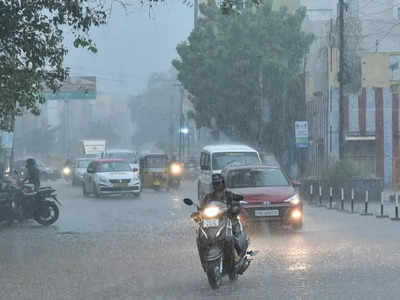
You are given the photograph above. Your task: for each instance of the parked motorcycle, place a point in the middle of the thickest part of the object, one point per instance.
(40, 206)
(216, 241)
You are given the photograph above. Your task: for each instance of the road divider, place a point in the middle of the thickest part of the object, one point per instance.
(366, 213)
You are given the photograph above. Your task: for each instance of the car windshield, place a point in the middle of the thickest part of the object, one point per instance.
(223, 159)
(83, 163)
(128, 156)
(245, 178)
(114, 167)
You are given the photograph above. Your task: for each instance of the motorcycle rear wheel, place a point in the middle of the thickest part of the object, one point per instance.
(47, 213)
(214, 273)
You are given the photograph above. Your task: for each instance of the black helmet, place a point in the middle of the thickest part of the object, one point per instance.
(217, 178)
(30, 162)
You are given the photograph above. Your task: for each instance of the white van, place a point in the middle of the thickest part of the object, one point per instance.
(215, 158)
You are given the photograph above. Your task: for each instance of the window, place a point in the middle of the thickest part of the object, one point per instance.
(114, 167)
(223, 159)
(207, 161)
(81, 164)
(245, 178)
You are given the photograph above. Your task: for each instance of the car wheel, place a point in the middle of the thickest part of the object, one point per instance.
(95, 191)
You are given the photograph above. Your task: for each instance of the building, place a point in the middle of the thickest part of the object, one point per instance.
(371, 113)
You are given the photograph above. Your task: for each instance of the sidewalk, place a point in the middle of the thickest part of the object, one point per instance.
(374, 207)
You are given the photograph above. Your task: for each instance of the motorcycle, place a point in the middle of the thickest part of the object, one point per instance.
(67, 173)
(216, 240)
(27, 203)
(175, 176)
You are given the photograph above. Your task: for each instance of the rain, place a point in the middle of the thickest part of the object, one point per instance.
(199, 149)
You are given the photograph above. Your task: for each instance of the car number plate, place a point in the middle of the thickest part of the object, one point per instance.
(120, 185)
(267, 213)
(210, 223)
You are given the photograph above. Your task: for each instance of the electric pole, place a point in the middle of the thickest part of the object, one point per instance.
(341, 78)
(181, 123)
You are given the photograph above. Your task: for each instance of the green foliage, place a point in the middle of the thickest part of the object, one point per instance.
(223, 60)
(32, 49)
(342, 171)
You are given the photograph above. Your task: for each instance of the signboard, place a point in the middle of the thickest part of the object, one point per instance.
(74, 88)
(301, 131)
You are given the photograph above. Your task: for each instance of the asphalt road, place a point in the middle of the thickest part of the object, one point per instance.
(144, 248)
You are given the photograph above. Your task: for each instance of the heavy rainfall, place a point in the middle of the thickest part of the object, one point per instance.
(199, 149)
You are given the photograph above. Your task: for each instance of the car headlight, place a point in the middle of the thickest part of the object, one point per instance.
(294, 200)
(176, 169)
(66, 171)
(211, 211)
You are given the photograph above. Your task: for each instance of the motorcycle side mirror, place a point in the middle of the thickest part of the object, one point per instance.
(188, 201)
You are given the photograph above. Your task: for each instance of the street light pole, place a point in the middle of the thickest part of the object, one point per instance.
(180, 123)
(341, 78)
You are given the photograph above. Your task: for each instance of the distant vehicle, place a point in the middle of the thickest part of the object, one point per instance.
(215, 158)
(79, 169)
(110, 176)
(269, 194)
(154, 171)
(125, 154)
(93, 148)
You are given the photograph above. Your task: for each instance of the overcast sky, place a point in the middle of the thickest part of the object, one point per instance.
(132, 46)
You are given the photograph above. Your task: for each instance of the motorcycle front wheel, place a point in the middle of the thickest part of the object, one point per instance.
(214, 273)
(47, 213)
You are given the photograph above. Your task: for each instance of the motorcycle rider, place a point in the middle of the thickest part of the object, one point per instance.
(220, 193)
(173, 161)
(32, 174)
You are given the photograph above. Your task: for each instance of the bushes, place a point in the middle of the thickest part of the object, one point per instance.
(343, 170)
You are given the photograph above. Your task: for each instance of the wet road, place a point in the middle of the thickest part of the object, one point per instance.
(144, 249)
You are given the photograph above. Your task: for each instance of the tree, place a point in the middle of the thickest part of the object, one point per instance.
(32, 49)
(155, 112)
(228, 64)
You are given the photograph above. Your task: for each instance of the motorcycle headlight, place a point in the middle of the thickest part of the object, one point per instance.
(294, 200)
(66, 171)
(176, 169)
(211, 211)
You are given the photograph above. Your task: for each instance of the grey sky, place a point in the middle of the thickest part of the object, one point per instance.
(133, 46)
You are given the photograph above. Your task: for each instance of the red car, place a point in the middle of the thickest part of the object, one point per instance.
(270, 196)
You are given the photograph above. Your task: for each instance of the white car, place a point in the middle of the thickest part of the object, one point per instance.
(110, 176)
(79, 169)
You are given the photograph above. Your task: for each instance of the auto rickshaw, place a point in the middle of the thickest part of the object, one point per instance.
(154, 171)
